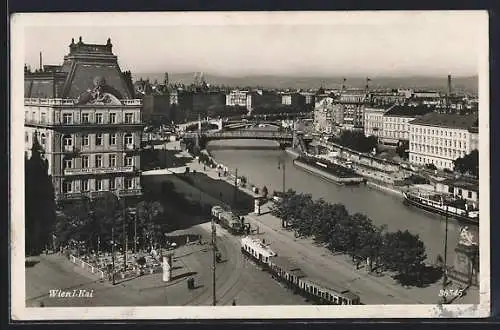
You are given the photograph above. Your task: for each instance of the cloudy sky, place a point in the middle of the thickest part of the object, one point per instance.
(235, 44)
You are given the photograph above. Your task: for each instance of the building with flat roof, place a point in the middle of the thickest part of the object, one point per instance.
(396, 122)
(440, 139)
(374, 123)
(87, 122)
(349, 109)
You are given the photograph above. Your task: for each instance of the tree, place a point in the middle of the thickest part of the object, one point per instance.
(402, 148)
(468, 164)
(404, 253)
(149, 220)
(40, 207)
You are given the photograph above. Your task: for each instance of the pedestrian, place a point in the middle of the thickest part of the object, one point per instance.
(234, 302)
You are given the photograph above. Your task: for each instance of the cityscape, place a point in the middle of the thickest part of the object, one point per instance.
(170, 189)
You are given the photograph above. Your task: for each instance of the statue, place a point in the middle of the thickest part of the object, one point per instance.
(466, 238)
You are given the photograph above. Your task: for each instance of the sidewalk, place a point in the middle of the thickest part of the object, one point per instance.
(319, 262)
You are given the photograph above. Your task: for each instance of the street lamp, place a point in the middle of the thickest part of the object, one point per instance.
(214, 260)
(445, 272)
(282, 165)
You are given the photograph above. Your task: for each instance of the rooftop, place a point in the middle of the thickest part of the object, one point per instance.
(407, 111)
(447, 120)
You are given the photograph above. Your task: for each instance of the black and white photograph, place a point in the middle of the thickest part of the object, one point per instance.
(247, 165)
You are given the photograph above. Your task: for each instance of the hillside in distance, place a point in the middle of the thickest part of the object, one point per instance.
(459, 84)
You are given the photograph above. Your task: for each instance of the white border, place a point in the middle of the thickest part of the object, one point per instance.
(18, 309)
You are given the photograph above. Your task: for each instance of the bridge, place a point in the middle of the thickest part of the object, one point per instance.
(239, 121)
(284, 138)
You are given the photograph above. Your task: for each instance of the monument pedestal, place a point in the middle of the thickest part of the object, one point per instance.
(466, 265)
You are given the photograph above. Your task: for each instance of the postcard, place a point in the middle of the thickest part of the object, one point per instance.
(249, 165)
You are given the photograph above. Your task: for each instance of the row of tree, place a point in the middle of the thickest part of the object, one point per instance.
(95, 221)
(356, 141)
(353, 234)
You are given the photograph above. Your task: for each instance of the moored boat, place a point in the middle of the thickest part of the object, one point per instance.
(444, 205)
(328, 170)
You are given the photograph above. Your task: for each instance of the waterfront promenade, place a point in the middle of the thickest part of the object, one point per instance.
(318, 261)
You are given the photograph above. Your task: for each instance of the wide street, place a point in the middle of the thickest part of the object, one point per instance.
(236, 279)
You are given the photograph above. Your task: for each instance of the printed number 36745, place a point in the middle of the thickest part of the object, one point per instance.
(450, 292)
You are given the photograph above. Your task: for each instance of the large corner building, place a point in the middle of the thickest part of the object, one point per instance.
(87, 121)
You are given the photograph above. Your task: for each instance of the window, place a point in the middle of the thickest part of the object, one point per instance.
(98, 160)
(469, 194)
(112, 184)
(129, 161)
(67, 140)
(43, 139)
(112, 118)
(98, 185)
(129, 118)
(67, 118)
(98, 139)
(85, 161)
(112, 139)
(26, 137)
(85, 185)
(68, 163)
(98, 118)
(129, 139)
(112, 160)
(459, 192)
(26, 115)
(85, 118)
(43, 118)
(85, 140)
(67, 186)
(129, 184)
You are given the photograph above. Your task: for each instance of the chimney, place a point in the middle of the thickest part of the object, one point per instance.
(449, 85)
(41, 66)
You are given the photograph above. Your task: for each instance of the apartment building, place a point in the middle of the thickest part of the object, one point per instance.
(396, 122)
(324, 121)
(440, 139)
(237, 98)
(374, 123)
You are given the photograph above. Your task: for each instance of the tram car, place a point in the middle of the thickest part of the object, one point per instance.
(257, 250)
(285, 271)
(216, 211)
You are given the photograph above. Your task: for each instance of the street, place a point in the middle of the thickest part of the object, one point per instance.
(237, 280)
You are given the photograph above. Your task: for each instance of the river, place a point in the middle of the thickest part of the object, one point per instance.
(261, 168)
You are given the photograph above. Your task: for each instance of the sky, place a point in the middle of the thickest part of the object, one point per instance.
(292, 44)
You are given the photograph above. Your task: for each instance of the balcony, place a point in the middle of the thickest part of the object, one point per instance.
(130, 192)
(71, 102)
(70, 149)
(99, 170)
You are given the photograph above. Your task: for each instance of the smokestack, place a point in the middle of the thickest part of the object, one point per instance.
(449, 85)
(41, 66)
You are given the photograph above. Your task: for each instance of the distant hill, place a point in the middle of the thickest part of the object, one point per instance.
(462, 84)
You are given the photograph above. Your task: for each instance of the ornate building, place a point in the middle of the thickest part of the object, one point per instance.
(88, 123)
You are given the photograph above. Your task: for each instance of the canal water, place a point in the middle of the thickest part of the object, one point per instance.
(261, 168)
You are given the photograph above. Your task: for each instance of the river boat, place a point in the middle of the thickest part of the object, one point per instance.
(332, 172)
(443, 204)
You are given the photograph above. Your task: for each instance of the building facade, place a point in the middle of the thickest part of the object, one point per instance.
(440, 139)
(374, 124)
(349, 109)
(237, 98)
(88, 124)
(324, 121)
(396, 123)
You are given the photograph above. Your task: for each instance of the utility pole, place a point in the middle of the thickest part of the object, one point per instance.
(135, 232)
(214, 250)
(445, 272)
(113, 252)
(235, 187)
(281, 164)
